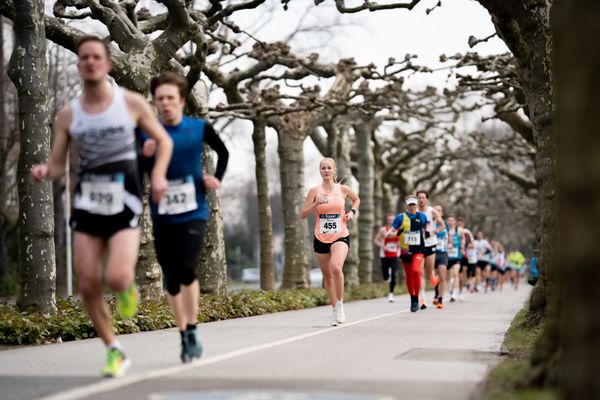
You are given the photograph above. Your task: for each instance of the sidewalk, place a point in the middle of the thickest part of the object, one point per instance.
(383, 351)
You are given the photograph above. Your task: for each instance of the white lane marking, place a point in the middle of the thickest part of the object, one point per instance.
(117, 383)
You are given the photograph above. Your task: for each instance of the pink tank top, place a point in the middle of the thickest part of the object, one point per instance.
(331, 216)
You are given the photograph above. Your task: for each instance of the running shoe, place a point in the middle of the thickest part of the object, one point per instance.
(414, 304)
(193, 345)
(461, 297)
(391, 297)
(340, 317)
(116, 364)
(334, 319)
(184, 349)
(435, 301)
(423, 304)
(452, 299)
(440, 305)
(127, 301)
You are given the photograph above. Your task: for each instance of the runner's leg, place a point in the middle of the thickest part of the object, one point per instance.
(88, 253)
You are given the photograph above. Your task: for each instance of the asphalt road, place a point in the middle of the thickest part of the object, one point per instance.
(381, 352)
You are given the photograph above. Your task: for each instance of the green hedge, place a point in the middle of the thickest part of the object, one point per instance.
(70, 322)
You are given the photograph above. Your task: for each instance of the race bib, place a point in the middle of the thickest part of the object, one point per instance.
(101, 194)
(453, 252)
(391, 247)
(330, 223)
(180, 197)
(412, 238)
(472, 256)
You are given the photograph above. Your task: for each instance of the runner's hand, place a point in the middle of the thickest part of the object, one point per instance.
(149, 148)
(39, 173)
(322, 199)
(159, 187)
(211, 183)
(349, 216)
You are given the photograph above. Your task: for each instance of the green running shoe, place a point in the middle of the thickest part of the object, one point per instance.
(116, 364)
(127, 301)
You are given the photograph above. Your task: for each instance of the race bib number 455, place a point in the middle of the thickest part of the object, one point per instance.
(180, 197)
(101, 194)
(330, 223)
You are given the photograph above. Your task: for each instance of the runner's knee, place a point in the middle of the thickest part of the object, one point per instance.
(118, 280)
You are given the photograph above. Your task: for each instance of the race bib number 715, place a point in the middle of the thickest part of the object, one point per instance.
(412, 238)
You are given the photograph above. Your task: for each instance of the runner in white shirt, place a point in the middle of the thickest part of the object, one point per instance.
(435, 224)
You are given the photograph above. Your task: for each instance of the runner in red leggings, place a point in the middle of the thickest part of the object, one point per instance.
(410, 225)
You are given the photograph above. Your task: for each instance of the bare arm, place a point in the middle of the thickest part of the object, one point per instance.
(55, 166)
(392, 233)
(147, 121)
(310, 203)
(348, 192)
(379, 238)
(439, 220)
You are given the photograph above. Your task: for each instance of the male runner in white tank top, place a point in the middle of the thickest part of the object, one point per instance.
(435, 225)
(107, 202)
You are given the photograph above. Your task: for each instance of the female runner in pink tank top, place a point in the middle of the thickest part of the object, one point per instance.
(332, 238)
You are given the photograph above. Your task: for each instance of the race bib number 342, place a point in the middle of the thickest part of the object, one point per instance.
(101, 194)
(180, 197)
(330, 223)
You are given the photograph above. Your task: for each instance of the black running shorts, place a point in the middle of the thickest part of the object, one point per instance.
(325, 248)
(427, 251)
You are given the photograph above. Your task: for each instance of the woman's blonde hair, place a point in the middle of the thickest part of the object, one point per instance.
(334, 166)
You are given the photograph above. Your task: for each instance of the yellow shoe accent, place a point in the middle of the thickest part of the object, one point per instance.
(128, 301)
(116, 364)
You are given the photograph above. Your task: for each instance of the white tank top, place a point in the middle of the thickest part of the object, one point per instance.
(105, 137)
(431, 227)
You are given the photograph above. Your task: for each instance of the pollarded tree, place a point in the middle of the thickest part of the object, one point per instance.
(146, 43)
(28, 71)
(525, 28)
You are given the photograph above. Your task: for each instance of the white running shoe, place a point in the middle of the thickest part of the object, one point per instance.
(391, 297)
(334, 319)
(461, 297)
(339, 312)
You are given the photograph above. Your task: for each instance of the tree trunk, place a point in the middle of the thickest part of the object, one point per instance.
(212, 265)
(4, 133)
(525, 28)
(58, 190)
(291, 170)
(148, 273)
(28, 71)
(387, 202)
(379, 218)
(267, 268)
(345, 175)
(366, 178)
(576, 64)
